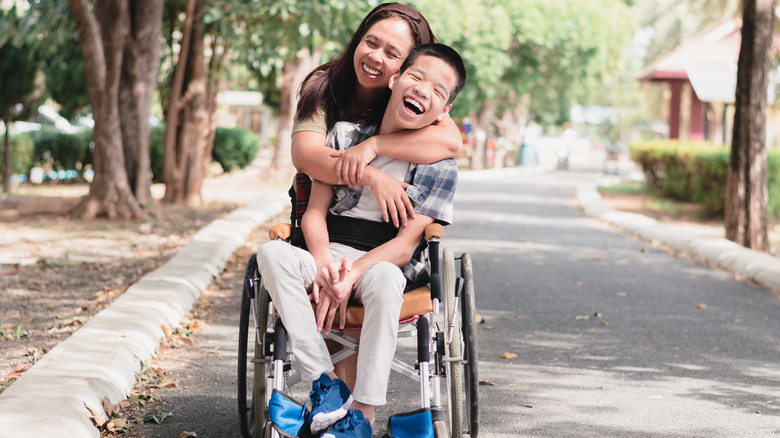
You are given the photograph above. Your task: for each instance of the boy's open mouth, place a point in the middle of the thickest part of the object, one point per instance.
(413, 106)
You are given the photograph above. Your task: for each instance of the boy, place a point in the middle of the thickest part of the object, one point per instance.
(351, 250)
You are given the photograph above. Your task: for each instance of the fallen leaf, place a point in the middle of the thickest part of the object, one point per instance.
(622, 294)
(156, 417)
(487, 327)
(116, 425)
(701, 306)
(107, 406)
(213, 352)
(479, 319)
(508, 355)
(187, 434)
(486, 383)
(583, 317)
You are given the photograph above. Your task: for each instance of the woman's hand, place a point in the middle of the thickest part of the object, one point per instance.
(391, 194)
(351, 162)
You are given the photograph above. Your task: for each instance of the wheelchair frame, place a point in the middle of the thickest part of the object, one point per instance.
(446, 348)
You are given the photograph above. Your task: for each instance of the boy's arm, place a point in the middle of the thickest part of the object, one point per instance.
(421, 146)
(399, 251)
(315, 228)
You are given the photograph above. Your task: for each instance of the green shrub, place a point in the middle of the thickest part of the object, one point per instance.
(234, 147)
(697, 172)
(56, 150)
(156, 152)
(21, 153)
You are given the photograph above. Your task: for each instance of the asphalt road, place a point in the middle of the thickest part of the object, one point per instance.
(614, 337)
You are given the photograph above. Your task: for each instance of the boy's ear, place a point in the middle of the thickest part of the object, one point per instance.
(444, 113)
(393, 80)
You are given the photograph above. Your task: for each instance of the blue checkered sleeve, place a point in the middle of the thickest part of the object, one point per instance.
(432, 189)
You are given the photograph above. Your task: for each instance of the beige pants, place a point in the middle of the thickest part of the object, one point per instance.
(287, 274)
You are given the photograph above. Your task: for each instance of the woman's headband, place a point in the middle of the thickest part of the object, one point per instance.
(423, 28)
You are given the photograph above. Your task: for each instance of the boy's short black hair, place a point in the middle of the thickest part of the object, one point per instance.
(446, 54)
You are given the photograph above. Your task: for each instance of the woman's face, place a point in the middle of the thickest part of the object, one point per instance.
(381, 52)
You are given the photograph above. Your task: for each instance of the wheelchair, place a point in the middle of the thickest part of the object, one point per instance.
(441, 315)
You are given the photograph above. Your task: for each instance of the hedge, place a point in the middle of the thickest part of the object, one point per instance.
(53, 150)
(21, 153)
(697, 172)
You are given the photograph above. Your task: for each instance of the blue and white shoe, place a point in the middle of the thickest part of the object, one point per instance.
(330, 400)
(354, 425)
(287, 416)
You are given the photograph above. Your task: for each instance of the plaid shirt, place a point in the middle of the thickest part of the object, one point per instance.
(431, 189)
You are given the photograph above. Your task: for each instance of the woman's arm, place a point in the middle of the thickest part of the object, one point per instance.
(312, 157)
(422, 146)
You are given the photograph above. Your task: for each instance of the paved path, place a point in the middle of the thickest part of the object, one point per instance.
(613, 335)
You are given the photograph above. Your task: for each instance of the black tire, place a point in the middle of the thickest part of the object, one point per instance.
(470, 354)
(246, 334)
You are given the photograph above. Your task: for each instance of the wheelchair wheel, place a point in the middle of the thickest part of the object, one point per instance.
(455, 385)
(470, 353)
(246, 339)
(260, 395)
(440, 430)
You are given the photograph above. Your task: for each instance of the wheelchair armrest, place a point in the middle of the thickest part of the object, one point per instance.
(280, 231)
(434, 231)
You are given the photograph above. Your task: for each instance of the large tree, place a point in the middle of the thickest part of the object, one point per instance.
(106, 34)
(746, 190)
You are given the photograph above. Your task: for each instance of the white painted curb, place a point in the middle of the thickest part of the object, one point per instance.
(102, 357)
(759, 267)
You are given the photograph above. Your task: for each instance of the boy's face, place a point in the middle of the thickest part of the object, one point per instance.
(420, 94)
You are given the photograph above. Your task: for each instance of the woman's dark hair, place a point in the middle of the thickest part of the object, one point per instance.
(332, 84)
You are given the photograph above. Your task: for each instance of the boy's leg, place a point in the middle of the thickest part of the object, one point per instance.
(287, 274)
(381, 291)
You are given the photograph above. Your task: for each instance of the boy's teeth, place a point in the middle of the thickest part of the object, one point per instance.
(414, 104)
(371, 71)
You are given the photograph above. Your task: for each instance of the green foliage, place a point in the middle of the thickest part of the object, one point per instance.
(697, 172)
(56, 150)
(234, 147)
(156, 151)
(66, 81)
(18, 68)
(21, 153)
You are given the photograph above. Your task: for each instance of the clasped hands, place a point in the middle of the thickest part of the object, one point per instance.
(331, 289)
(389, 192)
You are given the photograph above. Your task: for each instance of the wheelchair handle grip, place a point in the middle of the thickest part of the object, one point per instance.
(423, 340)
(280, 231)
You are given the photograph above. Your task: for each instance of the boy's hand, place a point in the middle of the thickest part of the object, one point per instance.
(392, 198)
(351, 162)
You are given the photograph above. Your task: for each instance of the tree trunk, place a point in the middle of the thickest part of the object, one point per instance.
(137, 84)
(218, 48)
(746, 190)
(294, 73)
(187, 116)
(172, 176)
(7, 157)
(102, 37)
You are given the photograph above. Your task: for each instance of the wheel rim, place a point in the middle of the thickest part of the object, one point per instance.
(454, 347)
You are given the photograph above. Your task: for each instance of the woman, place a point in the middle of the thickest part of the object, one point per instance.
(356, 84)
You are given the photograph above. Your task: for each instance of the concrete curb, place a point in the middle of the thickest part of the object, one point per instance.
(759, 267)
(102, 357)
